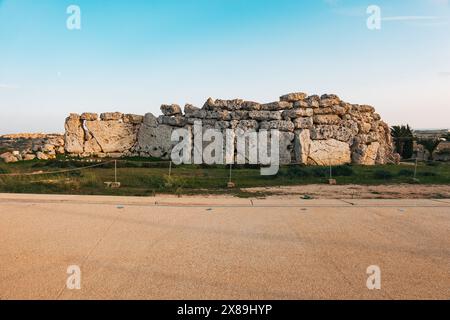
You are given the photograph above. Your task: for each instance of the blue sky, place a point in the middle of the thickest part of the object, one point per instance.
(132, 56)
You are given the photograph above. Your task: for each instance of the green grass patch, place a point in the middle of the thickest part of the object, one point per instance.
(148, 178)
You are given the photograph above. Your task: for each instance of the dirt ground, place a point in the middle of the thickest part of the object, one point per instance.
(399, 191)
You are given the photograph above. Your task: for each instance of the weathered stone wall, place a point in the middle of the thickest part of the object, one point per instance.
(313, 130)
(442, 152)
(112, 135)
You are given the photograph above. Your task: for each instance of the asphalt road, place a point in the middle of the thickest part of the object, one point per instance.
(222, 248)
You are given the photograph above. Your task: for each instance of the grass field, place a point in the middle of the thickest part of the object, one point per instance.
(142, 177)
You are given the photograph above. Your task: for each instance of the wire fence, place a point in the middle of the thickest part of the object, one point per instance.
(36, 173)
(137, 172)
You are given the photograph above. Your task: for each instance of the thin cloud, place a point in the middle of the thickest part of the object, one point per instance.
(444, 74)
(8, 86)
(410, 18)
(420, 21)
(439, 23)
(440, 2)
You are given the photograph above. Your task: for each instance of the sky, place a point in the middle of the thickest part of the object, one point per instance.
(132, 56)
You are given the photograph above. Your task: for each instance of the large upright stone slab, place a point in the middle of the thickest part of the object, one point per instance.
(329, 152)
(286, 147)
(302, 146)
(74, 135)
(154, 139)
(113, 136)
(366, 154)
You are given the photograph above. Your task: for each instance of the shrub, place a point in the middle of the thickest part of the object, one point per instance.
(128, 164)
(179, 192)
(74, 174)
(320, 172)
(342, 171)
(433, 164)
(382, 174)
(153, 182)
(58, 164)
(151, 165)
(297, 172)
(406, 173)
(90, 180)
(174, 182)
(3, 150)
(427, 174)
(403, 140)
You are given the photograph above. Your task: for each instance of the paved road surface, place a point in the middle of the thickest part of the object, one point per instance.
(222, 248)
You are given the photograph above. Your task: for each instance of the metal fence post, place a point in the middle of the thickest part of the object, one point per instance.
(170, 168)
(115, 171)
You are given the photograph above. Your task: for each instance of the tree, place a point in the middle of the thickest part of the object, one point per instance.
(403, 140)
(430, 145)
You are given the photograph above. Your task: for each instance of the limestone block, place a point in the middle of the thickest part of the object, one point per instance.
(329, 152)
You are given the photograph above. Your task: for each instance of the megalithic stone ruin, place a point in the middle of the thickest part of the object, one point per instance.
(313, 130)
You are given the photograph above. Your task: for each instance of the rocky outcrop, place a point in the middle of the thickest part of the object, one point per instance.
(26, 147)
(8, 157)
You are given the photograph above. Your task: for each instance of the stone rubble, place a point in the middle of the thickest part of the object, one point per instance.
(26, 147)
